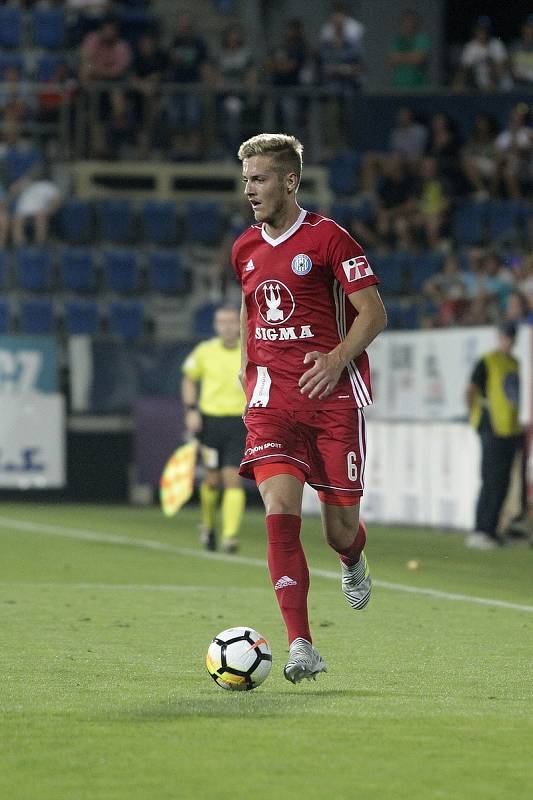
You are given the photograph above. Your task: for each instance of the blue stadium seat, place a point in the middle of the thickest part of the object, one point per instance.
(76, 221)
(18, 161)
(422, 267)
(126, 320)
(469, 222)
(81, 317)
(204, 222)
(159, 222)
(49, 28)
(37, 316)
(115, 221)
(504, 217)
(391, 270)
(46, 66)
(77, 270)
(165, 272)
(10, 26)
(11, 60)
(34, 269)
(203, 320)
(410, 317)
(3, 268)
(344, 172)
(121, 271)
(4, 316)
(342, 213)
(394, 314)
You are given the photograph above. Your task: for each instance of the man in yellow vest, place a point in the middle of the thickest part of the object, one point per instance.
(213, 400)
(493, 399)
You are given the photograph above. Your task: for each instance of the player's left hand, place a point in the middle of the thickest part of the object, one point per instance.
(320, 380)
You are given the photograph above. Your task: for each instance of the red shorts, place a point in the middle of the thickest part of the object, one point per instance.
(329, 446)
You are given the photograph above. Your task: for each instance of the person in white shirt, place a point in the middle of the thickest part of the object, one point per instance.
(514, 149)
(484, 61)
(38, 201)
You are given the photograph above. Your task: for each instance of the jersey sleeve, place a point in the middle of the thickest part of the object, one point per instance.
(193, 366)
(235, 260)
(348, 261)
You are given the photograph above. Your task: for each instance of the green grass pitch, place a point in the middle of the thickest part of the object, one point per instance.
(106, 615)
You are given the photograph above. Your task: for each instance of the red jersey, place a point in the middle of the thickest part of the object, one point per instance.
(296, 291)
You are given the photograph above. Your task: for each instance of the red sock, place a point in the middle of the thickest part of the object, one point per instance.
(289, 573)
(351, 555)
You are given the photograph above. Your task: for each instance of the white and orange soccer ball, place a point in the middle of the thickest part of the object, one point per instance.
(239, 659)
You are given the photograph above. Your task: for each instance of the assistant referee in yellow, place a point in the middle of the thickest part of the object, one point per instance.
(214, 401)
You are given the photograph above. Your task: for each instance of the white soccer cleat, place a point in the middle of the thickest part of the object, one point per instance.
(357, 583)
(304, 662)
(478, 540)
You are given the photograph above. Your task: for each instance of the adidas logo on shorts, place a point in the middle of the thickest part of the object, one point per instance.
(284, 581)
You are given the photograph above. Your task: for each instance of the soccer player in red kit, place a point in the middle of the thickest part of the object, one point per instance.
(310, 307)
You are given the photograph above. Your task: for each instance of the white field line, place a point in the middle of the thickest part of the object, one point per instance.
(163, 547)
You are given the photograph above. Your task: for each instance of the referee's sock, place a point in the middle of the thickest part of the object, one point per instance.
(233, 501)
(208, 504)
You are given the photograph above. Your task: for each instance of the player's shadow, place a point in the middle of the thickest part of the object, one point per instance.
(264, 704)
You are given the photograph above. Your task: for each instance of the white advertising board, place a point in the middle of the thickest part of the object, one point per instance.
(32, 442)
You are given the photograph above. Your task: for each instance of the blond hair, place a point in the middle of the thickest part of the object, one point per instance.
(285, 150)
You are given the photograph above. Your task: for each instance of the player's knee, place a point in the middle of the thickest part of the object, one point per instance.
(277, 504)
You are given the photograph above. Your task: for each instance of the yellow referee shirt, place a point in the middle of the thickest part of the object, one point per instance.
(216, 368)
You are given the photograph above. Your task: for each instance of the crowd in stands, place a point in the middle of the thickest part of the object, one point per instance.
(444, 213)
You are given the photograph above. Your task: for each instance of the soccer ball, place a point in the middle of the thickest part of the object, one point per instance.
(239, 659)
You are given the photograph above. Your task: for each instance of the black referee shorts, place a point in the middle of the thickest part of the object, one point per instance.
(222, 441)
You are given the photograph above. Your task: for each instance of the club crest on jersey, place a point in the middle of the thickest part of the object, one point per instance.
(301, 264)
(357, 268)
(274, 301)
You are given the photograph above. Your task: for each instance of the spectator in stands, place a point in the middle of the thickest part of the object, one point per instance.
(517, 308)
(17, 102)
(409, 54)
(341, 66)
(396, 203)
(478, 156)
(89, 15)
(36, 204)
(149, 67)
(188, 65)
(448, 291)
(409, 137)
(514, 147)
(106, 57)
(444, 146)
(352, 30)
(488, 289)
(522, 55)
(287, 67)
(234, 68)
(433, 203)
(484, 61)
(524, 282)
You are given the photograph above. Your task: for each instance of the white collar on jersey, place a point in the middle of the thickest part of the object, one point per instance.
(287, 234)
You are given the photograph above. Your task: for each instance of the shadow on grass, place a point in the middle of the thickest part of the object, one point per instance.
(247, 704)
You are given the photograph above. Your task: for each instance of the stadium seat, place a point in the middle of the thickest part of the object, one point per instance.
(46, 66)
(392, 271)
(36, 316)
(159, 222)
(422, 267)
(394, 314)
(469, 222)
(11, 60)
(76, 222)
(342, 213)
(115, 221)
(344, 172)
(504, 218)
(18, 161)
(77, 270)
(81, 317)
(34, 269)
(204, 222)
(10, 26)
(121, 271)
(4, 316)
(203, 320)
(410, 317)
(49, 28)
(165, 272)
(3, 269)
(126, 320)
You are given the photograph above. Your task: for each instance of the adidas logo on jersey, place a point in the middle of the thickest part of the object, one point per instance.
(250, 266)
(284, 581)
